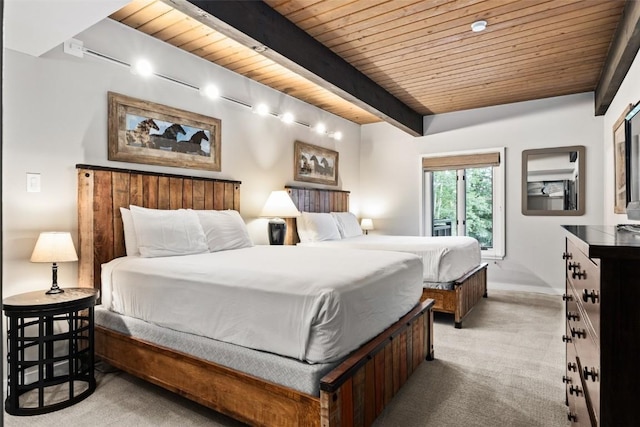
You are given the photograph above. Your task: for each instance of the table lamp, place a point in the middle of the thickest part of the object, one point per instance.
(366, 224)
(278, 206)
(54, 247)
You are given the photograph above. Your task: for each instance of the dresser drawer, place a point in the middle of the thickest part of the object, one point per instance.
(587, 351)
(577, 412)
(583, 273)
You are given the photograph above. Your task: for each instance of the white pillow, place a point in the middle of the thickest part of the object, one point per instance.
(318, 227)
(347, 224)
(168, 232)
(130, 238)
(224, 230)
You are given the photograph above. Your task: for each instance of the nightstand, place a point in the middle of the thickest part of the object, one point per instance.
(50, 357)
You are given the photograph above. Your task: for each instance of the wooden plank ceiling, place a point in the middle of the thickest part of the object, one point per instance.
(422, 52)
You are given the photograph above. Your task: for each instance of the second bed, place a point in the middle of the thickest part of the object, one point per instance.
(453, 274)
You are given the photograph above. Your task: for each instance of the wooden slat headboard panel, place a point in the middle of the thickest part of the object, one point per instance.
(314, 200)
(102, 191)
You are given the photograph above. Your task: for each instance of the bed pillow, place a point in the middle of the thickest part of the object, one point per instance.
(168, 232)
(130, 239)
(347, 224)
(318, 227)
(224, 230)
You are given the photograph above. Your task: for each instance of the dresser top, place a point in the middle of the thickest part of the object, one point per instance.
(606, 241)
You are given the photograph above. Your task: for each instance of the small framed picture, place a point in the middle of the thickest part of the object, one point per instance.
(315, 164)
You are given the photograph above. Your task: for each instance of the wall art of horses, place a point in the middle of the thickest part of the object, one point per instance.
(315, 164)
(145, 132)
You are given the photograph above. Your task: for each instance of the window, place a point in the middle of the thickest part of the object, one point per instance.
(464, 196)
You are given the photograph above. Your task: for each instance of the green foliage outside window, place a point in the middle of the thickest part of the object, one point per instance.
(479, 202)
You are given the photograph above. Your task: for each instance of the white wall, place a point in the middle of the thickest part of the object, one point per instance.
(55, 116)
(391, 177)
(629, 93)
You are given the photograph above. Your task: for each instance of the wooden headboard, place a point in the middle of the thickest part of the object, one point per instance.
(102, 191)
(314, 200)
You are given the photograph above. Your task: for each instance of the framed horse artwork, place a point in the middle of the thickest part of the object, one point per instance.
(315, 164)
(155, 134)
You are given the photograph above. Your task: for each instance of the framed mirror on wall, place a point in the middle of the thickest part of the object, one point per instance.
(553, 181)
(632, 136)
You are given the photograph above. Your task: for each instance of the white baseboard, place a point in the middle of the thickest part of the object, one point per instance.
(523, 288)
(31, 376)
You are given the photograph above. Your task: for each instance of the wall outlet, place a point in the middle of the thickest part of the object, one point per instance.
(33, 182)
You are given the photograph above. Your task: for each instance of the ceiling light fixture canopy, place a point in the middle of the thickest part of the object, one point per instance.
(478, 26)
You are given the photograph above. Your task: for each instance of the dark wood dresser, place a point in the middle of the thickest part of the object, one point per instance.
(603, 325)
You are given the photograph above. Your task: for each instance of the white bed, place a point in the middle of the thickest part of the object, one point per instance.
(445, 259)
(454, 275)
(254, 386)
(312, 304)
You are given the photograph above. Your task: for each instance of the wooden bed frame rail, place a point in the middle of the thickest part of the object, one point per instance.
(354, 393)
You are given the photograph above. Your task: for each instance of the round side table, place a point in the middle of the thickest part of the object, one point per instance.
(51, 353)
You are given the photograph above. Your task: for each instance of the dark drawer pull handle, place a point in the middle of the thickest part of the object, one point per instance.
(566, 338)
(573, 316)
(567, 255)
(593, 295)
(579, 275)
(593, 373)
(573, 265)
(572, 417)
(566, 297)
(575, 389)
(571, 366)
(566, 379)
(579, 333)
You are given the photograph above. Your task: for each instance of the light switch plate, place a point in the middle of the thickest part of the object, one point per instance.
(33, 182)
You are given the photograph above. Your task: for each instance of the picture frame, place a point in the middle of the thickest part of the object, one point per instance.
(155, 134)
(315, 164)
(620, 163)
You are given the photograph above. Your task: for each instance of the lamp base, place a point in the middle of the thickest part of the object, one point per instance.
(54, 281)
(54, 290)
(277, 231)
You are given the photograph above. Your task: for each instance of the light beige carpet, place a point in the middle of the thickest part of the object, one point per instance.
(504, 368)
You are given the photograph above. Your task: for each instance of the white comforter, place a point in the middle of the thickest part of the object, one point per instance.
(445, 258)
(312, 304)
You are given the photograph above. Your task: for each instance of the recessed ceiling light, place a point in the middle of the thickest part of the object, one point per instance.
(478, 26)
(260, 48)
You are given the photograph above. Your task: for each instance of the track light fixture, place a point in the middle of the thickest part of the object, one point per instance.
(143, 67)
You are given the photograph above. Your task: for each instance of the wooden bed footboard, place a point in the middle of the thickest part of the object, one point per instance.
(354, 393)
(460, 300)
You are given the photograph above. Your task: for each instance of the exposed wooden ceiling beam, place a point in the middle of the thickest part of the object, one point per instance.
(254, 24)
(623, 50)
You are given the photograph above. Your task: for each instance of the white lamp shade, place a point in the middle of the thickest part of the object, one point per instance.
(53, 246)
(279, 205)
(366, 224)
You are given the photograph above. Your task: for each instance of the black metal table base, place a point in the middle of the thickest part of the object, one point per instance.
(50, 356)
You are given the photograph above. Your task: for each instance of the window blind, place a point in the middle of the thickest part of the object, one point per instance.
(461, 161)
